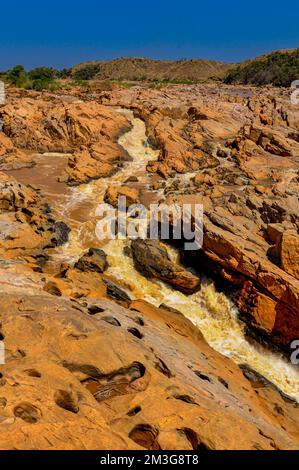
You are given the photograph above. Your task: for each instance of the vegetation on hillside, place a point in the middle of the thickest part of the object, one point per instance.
(277, 68)
(87, 73)
(40, 78)
(16, 76)
(140, 69)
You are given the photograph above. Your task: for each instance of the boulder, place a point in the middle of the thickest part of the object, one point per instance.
(115, 291)
(62, 231)
(152, 260)
(132, 195)
(95, 260)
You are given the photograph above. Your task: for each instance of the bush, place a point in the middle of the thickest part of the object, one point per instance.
(43, 78)
(278, 69)
(64, 73)
(17, 76)
(42, 73)
(87, 72)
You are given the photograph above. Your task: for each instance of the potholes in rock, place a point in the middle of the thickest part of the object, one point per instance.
(116, 292)
(111, 320)
(52, 289)
(162, 367)
(27, 412)
(194, 440)
(278, 409)
(134, 309)
(94, 309)
(191, 436)
(134, 411)
(223, 382)
(202, 376)
(33, 373)
(86, 369)
(77, 337)
(136, 319)
(3, 402)
(139, 321)
(41, 259)
(135, 332)
(2, 337)
(145, 436)
(186, 399)
(67, 401)
(121, 382)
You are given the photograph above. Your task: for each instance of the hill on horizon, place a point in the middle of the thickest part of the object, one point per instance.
(139, 69)
(279, 68)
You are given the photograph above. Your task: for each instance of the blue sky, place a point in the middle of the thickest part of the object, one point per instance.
(62, 33)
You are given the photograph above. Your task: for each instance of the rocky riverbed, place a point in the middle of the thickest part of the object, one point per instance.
(117, 345)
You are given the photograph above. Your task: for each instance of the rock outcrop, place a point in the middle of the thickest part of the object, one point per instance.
(88, 131)
(244, 170)
(289, 253)
(95, 261)
(100, 376)
(152, 259)
(27, 225)
(89, 365)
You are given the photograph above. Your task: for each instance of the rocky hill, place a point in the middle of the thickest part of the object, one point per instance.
(148, 69)
(278, 68)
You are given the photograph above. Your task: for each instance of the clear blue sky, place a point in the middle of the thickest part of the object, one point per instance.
(62, 33)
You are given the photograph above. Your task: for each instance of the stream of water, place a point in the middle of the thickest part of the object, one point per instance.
(211, 311)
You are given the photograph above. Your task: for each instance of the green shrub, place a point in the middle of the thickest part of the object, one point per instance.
(87, 72)
(42, 73)
(17, 76)
(40, 85)
(64, 73)
(43, 78)
(278, 69)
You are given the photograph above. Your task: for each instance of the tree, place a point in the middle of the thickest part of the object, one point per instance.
(64, 73)
(42, 73)
(17, 76)
(86, 72)
(42, 78)
(278, 68)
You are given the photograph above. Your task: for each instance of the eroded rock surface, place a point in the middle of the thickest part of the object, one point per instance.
(87, 365)
(241, 146)
(88, 131)
(99, 376)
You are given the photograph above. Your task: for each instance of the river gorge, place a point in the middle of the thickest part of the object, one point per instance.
(65, 275)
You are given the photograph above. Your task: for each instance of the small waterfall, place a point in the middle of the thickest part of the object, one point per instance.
(211, 311)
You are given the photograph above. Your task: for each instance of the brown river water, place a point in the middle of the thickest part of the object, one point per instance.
(211, 311)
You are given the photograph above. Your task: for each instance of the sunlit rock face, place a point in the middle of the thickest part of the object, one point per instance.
(72, 367)
(131, 343)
